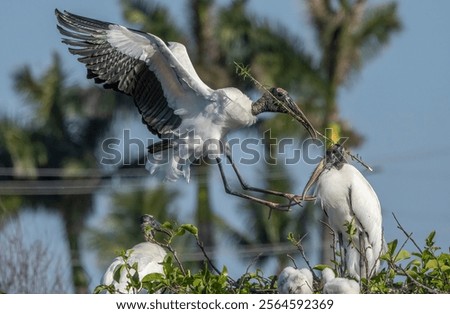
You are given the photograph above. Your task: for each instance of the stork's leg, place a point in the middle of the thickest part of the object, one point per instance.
(293, 198)
(343, 253)
(228, 190)
(364, 269)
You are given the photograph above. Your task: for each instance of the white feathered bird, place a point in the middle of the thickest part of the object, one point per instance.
(148, 257)
(337, 285)
(191, 118)
(295, 281)
(349, 200)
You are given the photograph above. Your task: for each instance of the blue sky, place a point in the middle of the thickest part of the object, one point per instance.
(400, 102)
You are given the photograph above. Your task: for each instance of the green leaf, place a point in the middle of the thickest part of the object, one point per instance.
(180, 232)
(190, 228)
(432, 263)
(167, 225)
(430, 239)
(415, 262)
(351, 227)
(445, 268)
(152, 277)
(291, 237)
(402, 255)
(134, 279)
(118, 272)
(224, 271)
(321, 267)
(102, 288)
(391, 247)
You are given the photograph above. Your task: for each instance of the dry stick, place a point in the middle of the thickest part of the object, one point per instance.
(292, 260)
(245, 73)
(333, 247)
(200, 245)
(150, 238)
(299, 246)
(211, 264)
(399, 226)
(253, 262)
(400, 269)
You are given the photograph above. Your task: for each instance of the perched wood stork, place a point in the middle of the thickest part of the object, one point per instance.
(191, 118)
(353, 210)
(295, 281)
(147, 255)
(337, 285)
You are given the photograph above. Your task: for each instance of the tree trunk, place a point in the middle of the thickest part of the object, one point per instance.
(74, 217)
(204, 213)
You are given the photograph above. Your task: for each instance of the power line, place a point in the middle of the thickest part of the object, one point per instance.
(90, 180)
(248, 251)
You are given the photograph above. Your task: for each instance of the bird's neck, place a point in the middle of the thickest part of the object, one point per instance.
(264, 104)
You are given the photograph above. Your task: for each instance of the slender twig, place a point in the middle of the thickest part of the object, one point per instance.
(210, 263)
(245, 73)
(248, 270)
(292, 260)
(358, 159)
(400, 269)
(257, 257)
(150, 237)
(300, 248)
(408, 235)
(332, 246)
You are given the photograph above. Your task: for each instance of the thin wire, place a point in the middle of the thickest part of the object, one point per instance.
(248, 251)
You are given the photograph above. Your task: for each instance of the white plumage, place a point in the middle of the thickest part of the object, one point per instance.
(347, 198)
(336, 285)
(295, 281)
(174, 102)
(148, 257)
(191, 119)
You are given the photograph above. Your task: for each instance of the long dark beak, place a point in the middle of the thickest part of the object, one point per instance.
(298, 115)
(314, 177)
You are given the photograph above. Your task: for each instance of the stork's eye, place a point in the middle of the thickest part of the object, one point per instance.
(278, 92)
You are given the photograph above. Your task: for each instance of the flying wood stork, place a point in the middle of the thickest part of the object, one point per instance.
(191, 118)
(353, 210)
(295, 281)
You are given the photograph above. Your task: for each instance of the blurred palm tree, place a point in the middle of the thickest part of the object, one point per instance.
(52, 152)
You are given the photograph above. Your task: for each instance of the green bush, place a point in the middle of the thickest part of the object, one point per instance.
(424, 271)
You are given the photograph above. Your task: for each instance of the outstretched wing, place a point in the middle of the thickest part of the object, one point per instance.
(159, 76)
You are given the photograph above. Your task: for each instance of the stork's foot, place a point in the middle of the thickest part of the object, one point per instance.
(295, 199)
(279, 207)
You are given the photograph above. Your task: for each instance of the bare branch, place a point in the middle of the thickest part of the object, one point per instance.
(408, 235)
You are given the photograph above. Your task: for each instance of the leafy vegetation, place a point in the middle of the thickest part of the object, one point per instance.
(57, 146)
(426, 270)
